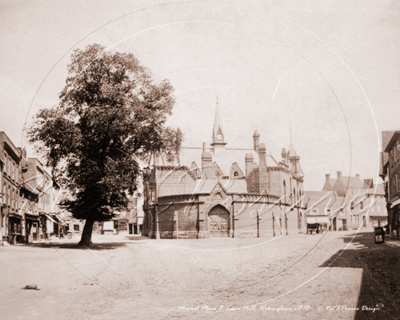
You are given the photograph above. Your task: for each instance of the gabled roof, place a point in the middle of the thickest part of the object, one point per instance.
(386, 137)
(235, 168)
(207, 186)
(236, 186)
(322, 200)
(352, 182)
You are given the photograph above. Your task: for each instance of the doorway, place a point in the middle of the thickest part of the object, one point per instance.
(218, 222)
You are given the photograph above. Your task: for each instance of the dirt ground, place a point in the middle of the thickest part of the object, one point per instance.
(289, 277)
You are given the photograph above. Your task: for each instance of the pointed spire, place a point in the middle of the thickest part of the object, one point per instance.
(218, 135)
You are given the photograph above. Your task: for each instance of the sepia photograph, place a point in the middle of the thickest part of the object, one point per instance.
(200, 159)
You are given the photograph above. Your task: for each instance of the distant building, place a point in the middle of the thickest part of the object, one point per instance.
(234, 192)
(135, 214)
(324, 208)
(363, 202)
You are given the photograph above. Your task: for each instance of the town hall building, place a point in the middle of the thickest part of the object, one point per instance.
(224, 192)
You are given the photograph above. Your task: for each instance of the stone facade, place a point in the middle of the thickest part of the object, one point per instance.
(221, 198)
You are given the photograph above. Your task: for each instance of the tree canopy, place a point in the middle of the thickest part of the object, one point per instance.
(110, 116)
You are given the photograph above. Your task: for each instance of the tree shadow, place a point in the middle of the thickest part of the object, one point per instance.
(380, 278)
(74, 245)
(135, 238)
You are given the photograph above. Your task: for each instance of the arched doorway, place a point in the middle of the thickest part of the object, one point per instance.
(218, 222)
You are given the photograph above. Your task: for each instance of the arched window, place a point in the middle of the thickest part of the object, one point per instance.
(361, 205)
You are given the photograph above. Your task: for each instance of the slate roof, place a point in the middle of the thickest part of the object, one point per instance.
(377, 190)
(315, 196)
(352, 182)
(224, 162)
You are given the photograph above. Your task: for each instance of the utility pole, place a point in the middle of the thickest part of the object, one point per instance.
(258, 225)
(273, 224)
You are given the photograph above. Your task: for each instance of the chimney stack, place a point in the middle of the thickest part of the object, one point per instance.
(339, 174)
(284, 155)
(256, 139)
(249, 163)
(328, 177)
(206, 164)
(262, 168)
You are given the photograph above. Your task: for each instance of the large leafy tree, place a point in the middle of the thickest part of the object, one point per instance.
(111, 116)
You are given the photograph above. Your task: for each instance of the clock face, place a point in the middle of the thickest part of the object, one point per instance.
(219, 136)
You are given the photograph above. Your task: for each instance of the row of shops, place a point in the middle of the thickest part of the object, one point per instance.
(29, 227)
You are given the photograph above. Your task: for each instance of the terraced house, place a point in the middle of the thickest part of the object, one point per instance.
(362, 202)
(10, 217)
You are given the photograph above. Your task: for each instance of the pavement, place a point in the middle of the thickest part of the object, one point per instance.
(393, 243)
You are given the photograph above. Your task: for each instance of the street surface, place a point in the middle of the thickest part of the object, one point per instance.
(298, 276)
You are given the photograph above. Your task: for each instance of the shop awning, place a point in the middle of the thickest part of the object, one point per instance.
(395, 203)
(317, 219)
(50, 218)
(31, 217)
(14, 215)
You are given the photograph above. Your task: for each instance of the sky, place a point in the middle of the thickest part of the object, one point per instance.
(329, 70)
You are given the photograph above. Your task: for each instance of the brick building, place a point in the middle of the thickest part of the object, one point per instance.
(10, 216)
(260, 197)
(392, 172)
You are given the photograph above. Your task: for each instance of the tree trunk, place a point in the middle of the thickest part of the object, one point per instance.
(86, 239)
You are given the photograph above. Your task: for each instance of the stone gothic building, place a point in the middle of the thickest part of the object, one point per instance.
(233, 192)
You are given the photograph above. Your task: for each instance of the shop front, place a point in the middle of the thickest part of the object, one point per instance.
(135, 222)
(3, 223)
(15, 228)
(32, 227)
